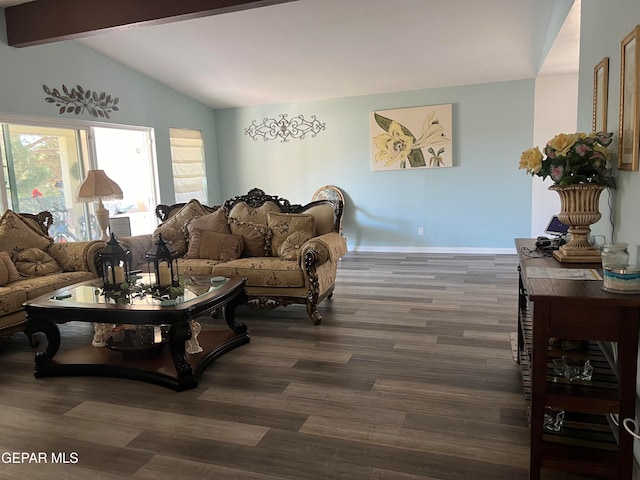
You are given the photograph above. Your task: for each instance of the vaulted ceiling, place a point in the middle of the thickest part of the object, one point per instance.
(315, 49)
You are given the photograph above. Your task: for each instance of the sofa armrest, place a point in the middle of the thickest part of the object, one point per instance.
(330, 246)
(77, 256)
(138, 246)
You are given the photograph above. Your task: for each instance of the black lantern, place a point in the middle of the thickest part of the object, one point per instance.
(115, 264)
(162, 261)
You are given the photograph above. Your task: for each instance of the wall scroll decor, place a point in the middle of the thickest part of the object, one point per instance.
(600, 96)
(78, 100)
(629, 140)
(284, 129)
(416, 137)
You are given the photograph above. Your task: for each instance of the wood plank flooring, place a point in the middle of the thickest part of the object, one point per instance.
(410, 376)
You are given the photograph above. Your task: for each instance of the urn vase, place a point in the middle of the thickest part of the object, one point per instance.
(579, 208)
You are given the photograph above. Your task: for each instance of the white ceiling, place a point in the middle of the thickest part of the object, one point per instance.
(317, 49)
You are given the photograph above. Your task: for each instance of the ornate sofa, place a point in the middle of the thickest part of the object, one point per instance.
(288, 252)
(31, 264)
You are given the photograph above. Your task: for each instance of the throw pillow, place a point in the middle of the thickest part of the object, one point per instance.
(256, 237)
(173, 229)
(214, 245)
(244, 213)
(284, 224)
(174, 237)
(290, 248)
(7, 265)
(33, 262)
(16, 234)
(213, 222)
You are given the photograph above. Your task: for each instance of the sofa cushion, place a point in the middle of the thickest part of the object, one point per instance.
(213, 222)
(256, 237)
(7, 264)
(284, 224)
(244, 213)
(214, 245)
(264, 271)
(33, 262)
(290, 248)
(196, 266)
(16, 234)
(36, 286)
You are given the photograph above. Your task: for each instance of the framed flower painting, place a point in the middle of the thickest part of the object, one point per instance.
(412, 138)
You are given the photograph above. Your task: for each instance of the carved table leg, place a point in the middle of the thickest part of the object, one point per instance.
(229, 313)
(178, 335)
(51, 332)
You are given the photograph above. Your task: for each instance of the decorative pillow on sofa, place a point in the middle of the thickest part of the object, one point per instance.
(256, 237)
(173, 229)
(290, 248)
(284, 224)
(214, 245)
(8, 271)
(244, 213)
(174, 237)
(212, 222)
(16, 234)
(33, 262)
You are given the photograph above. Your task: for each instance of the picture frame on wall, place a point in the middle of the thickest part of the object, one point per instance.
(600, 95)
(412, 138)
(629, 136)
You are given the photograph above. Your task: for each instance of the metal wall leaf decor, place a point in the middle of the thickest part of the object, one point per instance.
(78, 100)
(284, 129)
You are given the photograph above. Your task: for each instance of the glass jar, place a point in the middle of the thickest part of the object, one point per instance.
(615, 254)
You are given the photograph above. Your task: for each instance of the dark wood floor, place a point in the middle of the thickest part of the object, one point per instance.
(409, 377)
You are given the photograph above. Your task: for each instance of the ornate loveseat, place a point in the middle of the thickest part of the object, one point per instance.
(31, 264)
(288, 252)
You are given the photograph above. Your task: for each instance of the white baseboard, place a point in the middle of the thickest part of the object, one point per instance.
(454, 250)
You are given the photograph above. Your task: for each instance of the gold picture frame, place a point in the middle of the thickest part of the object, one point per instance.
(600, 96)
(629, 137)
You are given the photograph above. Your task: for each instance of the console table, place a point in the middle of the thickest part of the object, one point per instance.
(590, 442)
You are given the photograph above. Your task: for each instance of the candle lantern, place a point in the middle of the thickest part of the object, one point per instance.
(163, 262)
(115, 264)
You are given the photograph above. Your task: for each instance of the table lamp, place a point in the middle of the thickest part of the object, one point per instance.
(98, 187)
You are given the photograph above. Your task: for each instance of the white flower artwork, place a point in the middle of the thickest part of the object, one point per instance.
(412, 138)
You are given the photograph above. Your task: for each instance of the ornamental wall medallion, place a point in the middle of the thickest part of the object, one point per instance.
(78, 100)
(411, 138)
(284, 129)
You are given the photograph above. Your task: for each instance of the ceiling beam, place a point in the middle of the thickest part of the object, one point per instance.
(46, 21)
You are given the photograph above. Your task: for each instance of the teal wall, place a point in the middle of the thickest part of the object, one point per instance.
(143, 101)
(604, 25)
(484, 201)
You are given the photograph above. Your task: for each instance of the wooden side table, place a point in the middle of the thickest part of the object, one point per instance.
(589, 443)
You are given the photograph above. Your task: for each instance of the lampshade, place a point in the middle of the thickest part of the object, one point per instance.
(97, 187)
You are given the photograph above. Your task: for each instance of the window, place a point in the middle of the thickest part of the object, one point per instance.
(44, 163)
(187, 160)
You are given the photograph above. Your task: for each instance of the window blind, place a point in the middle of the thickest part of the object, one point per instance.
(187, 160)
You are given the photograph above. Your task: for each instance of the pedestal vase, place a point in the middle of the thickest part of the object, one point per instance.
(579, 208)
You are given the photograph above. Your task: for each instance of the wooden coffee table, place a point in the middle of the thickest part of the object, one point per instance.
(170, 367)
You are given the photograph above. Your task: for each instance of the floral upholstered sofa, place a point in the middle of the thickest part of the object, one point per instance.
(288, 253)
(31, 264)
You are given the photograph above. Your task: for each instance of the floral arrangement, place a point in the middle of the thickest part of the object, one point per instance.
(571, 159)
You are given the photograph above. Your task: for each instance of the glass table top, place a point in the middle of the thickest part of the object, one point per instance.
(141, 292)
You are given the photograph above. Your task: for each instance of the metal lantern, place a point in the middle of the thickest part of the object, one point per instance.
(163, 262)
(115, 264)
